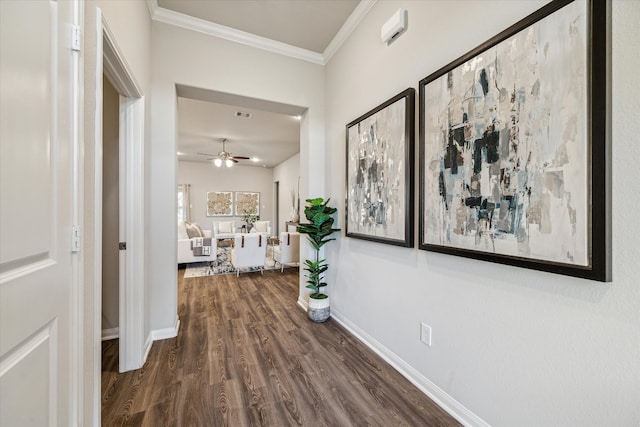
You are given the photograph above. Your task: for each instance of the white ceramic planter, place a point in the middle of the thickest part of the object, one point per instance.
(319, 310)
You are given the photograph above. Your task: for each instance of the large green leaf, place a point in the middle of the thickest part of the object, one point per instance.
(320, 219)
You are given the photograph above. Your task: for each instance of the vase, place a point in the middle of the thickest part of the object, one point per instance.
(295, 217)
(319, 310)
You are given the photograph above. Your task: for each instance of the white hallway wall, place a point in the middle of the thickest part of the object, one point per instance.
(194, 59)
(514, 346)
(205, 177)
(287, 173)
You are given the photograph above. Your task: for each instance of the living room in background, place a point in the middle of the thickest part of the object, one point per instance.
(205, 178)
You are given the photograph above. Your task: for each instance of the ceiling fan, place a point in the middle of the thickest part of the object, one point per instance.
(224, 156)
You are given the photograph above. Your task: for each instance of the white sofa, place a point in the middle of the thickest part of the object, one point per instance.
(185, 246)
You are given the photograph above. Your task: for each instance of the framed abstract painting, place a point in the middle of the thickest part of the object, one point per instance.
(247, 203)
(380, 158)
(514, 146)
(220, 203)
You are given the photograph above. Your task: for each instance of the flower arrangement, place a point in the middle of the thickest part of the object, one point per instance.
(249, 218)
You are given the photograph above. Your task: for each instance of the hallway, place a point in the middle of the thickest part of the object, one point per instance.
(247, 355)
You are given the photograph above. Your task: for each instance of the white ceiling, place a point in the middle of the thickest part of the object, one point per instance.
(302, 28)
(269, 138)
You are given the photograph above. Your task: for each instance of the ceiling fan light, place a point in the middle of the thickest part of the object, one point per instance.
(228, 162)
(217, 162)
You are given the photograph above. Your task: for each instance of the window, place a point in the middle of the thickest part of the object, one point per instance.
(184, 206)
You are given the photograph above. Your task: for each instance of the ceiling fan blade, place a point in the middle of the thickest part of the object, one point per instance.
(241, 157)
(210, 155)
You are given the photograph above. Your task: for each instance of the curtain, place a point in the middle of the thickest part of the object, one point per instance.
(184, 202)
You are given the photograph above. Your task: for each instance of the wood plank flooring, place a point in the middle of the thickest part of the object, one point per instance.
(246, 355)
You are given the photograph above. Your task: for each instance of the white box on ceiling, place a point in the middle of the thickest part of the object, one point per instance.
(394, 26)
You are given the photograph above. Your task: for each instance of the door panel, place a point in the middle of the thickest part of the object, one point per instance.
(36, 207)
(26, 89)
(28, 380)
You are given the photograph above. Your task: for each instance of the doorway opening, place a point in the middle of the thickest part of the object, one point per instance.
(110, 210)
(127, 188)
(263, 136)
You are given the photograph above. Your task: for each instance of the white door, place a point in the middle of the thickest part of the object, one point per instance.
(38, 369)
(133, 343)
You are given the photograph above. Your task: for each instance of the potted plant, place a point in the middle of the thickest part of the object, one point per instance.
(249, 219)
(318, 230)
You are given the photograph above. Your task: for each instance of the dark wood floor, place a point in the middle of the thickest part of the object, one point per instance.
(246, 355)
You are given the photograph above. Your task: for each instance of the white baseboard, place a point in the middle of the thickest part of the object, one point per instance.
(110, 334)
(445, 401)
(163, 334)
(147, 348)
(302, 303)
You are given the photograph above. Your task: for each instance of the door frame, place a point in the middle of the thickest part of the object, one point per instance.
(110, 61)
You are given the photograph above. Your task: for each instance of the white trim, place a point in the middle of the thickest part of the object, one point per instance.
(97, 225)
(171, 17)
(110, 334)
(115, 65)
(166, 333)
(147, 346)
(152, 5)
(349, 25)
(196, 24)
(444, 400)
(132, 299)
(302, 303)
(77, 258)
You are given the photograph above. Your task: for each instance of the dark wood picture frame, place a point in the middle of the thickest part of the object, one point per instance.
(460, 146)
(373, 155)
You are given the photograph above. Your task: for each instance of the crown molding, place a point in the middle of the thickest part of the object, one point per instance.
(166, 16)
(350, 24)
(152, 5)
(190, 23)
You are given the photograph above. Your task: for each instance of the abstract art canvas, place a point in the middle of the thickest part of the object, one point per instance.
(380, 157)
(220, 203)
(507, 170)
(247, 203)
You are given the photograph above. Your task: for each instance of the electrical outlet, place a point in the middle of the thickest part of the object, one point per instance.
(425, 334)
